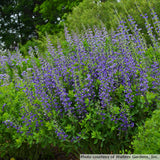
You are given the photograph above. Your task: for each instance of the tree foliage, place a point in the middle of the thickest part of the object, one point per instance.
(54, 12)
(21, 20)
(18, 21)
(91, 13)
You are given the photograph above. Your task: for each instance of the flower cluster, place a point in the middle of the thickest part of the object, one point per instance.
(109, 69)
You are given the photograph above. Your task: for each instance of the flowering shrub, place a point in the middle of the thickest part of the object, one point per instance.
(87, 97)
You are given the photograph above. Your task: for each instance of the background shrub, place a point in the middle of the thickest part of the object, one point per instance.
(147, 141)
(91, 13)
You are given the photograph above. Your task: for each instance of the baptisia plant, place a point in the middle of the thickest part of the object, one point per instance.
(89, 96)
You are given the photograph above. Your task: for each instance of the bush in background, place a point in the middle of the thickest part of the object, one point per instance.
(147, 141)
(91, 13)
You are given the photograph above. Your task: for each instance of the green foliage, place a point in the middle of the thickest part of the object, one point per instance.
(91, 13)
(152, 54)
(22, 20)
(50, 11)
(13, 143)
(42, 43)
(11, 100)
(147, 141)
(18, 22)
(25, 48)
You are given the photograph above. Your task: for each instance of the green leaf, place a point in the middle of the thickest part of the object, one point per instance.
(71, 93)
(86, 101)
(96, 134)
(150, 96)
(88, 117)
(98, 81)
(49, 126)
(18, 142)
(101, 144)
(69, 128)
(115, 109)
(113, 128)
(95, 141)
